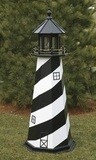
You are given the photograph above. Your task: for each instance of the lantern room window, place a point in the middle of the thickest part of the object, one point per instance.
(46, 43)
(41, 43)
(54, 42)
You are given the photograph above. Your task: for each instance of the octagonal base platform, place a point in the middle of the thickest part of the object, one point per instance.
(70, 147)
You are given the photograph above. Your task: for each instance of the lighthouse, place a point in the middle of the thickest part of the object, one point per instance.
(49, 125)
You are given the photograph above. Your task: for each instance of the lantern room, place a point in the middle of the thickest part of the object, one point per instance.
(49, 37)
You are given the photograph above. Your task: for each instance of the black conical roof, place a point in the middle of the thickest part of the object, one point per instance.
(49, 26)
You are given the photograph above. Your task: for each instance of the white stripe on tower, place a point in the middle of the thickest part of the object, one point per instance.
(41, 61)
(62, 133)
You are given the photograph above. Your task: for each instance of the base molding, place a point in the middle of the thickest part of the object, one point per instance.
(70, 147)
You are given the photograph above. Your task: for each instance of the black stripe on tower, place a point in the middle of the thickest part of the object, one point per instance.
(49, 126)
(47, 68)
(48, 97)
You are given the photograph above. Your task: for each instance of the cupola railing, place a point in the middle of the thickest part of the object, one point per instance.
(51, 52)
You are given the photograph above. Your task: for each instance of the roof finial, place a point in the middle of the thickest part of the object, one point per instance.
(49, 13)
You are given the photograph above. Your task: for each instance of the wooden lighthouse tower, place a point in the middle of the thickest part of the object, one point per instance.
(49, 125)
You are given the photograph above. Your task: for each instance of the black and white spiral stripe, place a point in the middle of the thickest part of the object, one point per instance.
(49, 106)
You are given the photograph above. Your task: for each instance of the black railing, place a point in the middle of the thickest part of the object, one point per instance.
(49, 51)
